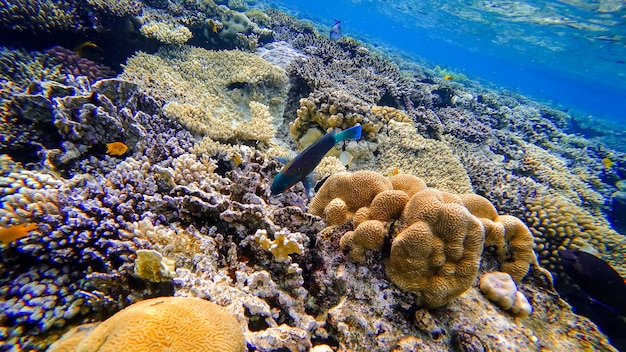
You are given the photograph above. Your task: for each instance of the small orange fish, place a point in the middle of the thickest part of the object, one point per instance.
(13, 233)
(607, 163)
(448, 77)
(116, 148)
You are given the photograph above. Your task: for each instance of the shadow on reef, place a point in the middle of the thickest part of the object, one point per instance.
(115, 44)
(609, 323)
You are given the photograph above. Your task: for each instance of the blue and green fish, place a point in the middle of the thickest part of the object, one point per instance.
(304, 163)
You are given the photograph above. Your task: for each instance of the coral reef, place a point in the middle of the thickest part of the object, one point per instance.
(500, 288)
(187, 211)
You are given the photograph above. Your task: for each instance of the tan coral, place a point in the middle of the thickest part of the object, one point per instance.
(438, 255)
(433, 161)
(173, 324)
(508, 235)
(368, 235)
(215, 94)
(336, 212)
(408, 183)
(388, 205)
(356, 189)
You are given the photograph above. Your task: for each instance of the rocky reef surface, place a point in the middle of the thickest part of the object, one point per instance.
(218, 94)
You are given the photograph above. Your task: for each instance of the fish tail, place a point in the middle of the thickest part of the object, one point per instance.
(351, 133)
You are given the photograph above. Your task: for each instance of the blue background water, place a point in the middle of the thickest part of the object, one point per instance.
(570, 54)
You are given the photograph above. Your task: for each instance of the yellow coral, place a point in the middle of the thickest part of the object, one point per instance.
(216, 94)
(173, 324)
(438, 255)
(431, 160)
(508, 235)
(282, 246)
(369, 234)
(356, 189)
(557, 224)
(150, 265)
(408, 183)
(259, 128)
(166, 32)
(26, 194)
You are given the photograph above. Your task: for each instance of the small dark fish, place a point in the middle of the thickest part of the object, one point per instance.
(335, 31)
(304, 163)
(596, 278)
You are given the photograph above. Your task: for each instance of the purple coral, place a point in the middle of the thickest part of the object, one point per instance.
(75, 65)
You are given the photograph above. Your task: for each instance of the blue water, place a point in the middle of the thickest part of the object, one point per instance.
(570, 54)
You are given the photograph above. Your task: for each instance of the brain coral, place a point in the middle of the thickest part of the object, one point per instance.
(356, 189)
(511, 239)
(164, 324)
(438, 255)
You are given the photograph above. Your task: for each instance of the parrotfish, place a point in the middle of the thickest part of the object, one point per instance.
(116, 148)
(304, 163)
(335, 31)
(16, 232)
(596, 278)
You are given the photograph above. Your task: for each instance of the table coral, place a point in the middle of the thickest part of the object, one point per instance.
(210, 92)
(152, 266)
(166, 32)
(163, 324)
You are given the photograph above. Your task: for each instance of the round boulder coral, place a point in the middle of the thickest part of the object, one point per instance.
(438, 255)
(162, 324)
(499, 288)
(356, 189)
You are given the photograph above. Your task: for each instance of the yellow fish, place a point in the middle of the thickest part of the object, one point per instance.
(213, 26)
(80, 48)
(116, 148)
(607, 163)
(448, 77)
(16, 232)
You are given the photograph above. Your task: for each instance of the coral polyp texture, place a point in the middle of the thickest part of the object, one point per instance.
(160, 324)
(437, 238)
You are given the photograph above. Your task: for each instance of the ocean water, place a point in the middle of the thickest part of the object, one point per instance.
(570, 54)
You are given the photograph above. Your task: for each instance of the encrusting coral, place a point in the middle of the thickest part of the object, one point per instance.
(175, 324)
(437, 238)
(500, 288)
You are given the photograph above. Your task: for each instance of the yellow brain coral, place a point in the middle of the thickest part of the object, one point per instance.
(356, 189)
(438, 255)
(172, 324)
(437, 238)
(511, 239)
